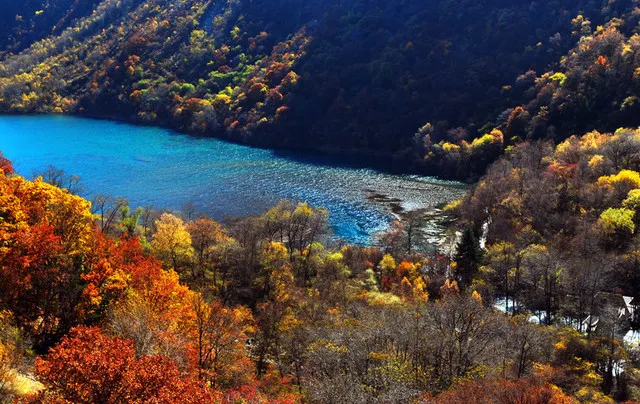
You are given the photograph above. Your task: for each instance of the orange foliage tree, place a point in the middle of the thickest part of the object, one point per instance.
(504, 391)
(221, 335)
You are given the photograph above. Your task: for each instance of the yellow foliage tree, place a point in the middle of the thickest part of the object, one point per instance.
(172, 241)
(624, 177)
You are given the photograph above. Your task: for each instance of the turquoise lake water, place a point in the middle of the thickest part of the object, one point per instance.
(158, 167)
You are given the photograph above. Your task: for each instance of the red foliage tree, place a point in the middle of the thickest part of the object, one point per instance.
(90, 367)
(5, 165)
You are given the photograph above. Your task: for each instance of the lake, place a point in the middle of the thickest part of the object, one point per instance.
(158, 167)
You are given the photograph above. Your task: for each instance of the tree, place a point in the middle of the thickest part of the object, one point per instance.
(222, 335)
(156, 313)
(90, 367)
(392, 241)
(129, 220)
(529, 343)
(55, 271)
(59, 178)
(171, 240)
(501, 262)
(531, 391)
(517, 123)
(543, 275)
(618, 226)
(297, 226)
(387, 267)
(205, 235)
(107, 208)
(5, 165)
(414, 222)
(189, 211)
(459, 336)
(151, 329)
(147, 219)
(467, 258)
(12, 358)
(276, 317)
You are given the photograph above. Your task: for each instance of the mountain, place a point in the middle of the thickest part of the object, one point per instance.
(344, 76)
(27, 21)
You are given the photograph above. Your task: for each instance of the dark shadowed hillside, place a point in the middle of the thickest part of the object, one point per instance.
(24, 22)
(352, 76)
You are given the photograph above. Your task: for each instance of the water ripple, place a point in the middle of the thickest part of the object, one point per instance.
(155, 166)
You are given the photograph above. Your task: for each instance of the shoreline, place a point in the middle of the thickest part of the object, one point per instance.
(383, 162)
(436, 222)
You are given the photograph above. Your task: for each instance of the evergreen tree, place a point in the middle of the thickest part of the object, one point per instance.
(468, 257)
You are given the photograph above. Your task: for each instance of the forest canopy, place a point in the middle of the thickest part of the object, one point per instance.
(103, 304)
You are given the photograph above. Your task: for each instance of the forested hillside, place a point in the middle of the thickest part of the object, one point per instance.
(362, 77)
(24, 22)
(101, 303)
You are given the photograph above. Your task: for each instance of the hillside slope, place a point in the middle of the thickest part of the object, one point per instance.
(27, 21)
(344, 76)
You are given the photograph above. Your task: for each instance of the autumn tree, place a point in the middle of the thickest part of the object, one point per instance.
(5, 165)
(13, 358)
(529, 344)
(54, 269)
(91, 367)
(414, 223)
(172, 241)
(205, 234)
(543, 281)
(221, 340)
(460, 336)
(297, 226)
(151, 329)
(533, 391)
(501, 262)
(276, 316)
(406, 235)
